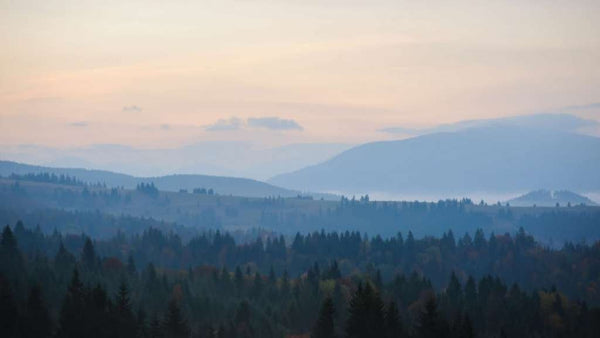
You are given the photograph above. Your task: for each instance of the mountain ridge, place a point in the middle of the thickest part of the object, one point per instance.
(221, 184)
(462, 161)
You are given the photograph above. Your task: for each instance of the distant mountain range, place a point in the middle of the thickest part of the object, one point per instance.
(547, 198)
(490, 158)
(219, 158)
(221, 185)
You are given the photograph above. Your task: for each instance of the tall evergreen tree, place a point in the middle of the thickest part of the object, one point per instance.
(126, 324)
(175, 325)
(155, 330)
(8, 309)
(88, 256)
(72, 320)
(366, 317)
(430, 324)
(36, 321)
(324, 327)
(393, 323)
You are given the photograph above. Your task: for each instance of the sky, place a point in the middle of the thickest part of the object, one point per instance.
(171, 73)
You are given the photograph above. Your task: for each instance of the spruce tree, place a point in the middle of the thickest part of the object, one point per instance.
(324, 327)
(37, 321)
(366, 317)
(126, 324)
(393, 324)
(430, 323)
(72, 319)
(155, 330)
(8, 309)
(175, 326)
(88, 256)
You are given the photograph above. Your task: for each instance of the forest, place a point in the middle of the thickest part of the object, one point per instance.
(321, 284)
(29, 199)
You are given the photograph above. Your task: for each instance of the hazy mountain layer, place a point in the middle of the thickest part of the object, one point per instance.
(493, 159)
(219, 158)
(221, 185)
(550, 198)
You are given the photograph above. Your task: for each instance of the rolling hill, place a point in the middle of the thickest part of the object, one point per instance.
(549, 198)
(221, 185)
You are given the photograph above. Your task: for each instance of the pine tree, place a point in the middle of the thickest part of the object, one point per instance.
(88, 257)
(430, 324)
(242, 320)
(8, 309)
(239, 281)
(324, 327)
(11, 261)
(131, 269)
(64, 261)
(258, 286)
(175, 326)
(126, 325)
(366, 317)
(155, 330)
(72, 320)
(285, 284)
(37, 321)
(393, 324)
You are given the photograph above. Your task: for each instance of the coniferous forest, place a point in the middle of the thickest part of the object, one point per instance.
(321, 284)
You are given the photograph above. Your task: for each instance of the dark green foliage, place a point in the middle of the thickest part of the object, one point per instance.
(366, 317)
(324, 326)
(430, 323)
(175, 326)
(393, 323)
(100, 294)
(8, 309)
(72, 313)
(125, 320)
(36, 321)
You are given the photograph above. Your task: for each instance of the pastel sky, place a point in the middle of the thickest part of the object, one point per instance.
(168, 73)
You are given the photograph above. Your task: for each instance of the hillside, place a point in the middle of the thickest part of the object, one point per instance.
(549, 198)
(33, 201)
(220, 184)
(490, 159)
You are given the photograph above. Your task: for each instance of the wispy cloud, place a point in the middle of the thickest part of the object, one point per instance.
(274, 123)
(561, 122)
(401, 130)
(132, 109)
(79, 124)
(573, 108)
(270, 123)
(232, 123)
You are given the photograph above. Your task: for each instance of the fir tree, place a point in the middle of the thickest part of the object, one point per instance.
(393, 324)
(37, 321)
(324, 327)
(126, 325)
(175, 326)
(72, 320)
(8, 309)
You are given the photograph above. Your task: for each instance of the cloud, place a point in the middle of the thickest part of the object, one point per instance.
(79, 124)
(132, 109)
(560, 122)
(273, 123)
(165, 126)
(232, 123)
(400, 130)
(591, 106)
